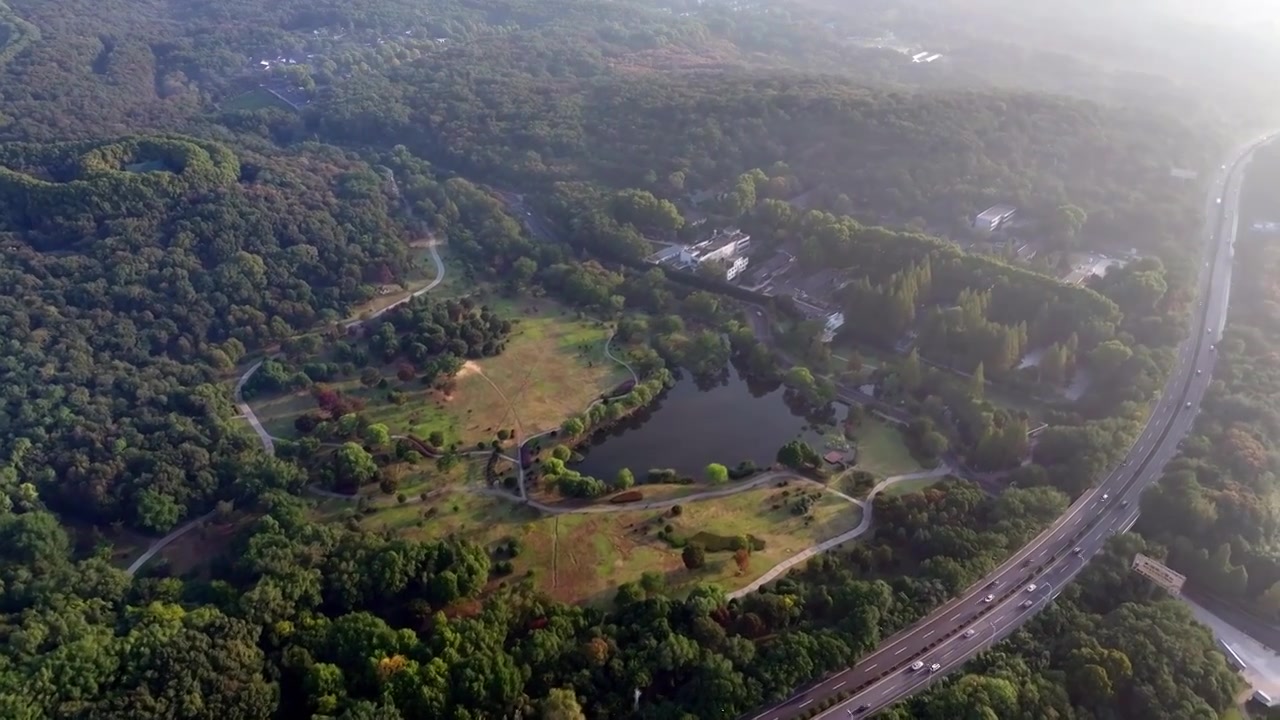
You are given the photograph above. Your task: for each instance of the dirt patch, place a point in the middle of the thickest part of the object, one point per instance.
(469, 367)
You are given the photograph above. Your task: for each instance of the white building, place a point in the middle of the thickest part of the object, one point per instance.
(834, 322)
(728, 246)
(994, 218)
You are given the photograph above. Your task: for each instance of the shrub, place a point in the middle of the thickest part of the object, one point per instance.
(725, 543)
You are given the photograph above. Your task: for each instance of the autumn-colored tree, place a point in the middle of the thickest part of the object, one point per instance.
(405, 372)
(694, 556)
(1244, 453)
(742, 558)
(597, 651)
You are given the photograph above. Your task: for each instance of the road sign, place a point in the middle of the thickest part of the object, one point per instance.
(1158, 573)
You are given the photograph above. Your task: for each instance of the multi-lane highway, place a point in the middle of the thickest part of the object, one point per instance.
(1025, 583)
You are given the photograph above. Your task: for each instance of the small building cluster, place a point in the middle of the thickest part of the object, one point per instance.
(727, 247)
(994, 218)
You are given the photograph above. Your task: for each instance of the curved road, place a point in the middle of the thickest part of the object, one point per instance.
(1035, 574)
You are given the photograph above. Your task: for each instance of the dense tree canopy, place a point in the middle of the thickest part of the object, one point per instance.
(126, 294)
(141, 271)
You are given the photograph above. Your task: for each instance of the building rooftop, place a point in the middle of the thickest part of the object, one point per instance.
(719, 239)
(996, 212)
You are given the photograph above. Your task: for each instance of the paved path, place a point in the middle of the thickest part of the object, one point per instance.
(160, 544)
(777, 570)
(268, 443)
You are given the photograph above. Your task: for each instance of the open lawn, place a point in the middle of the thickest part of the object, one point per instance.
(584, 558)
(553, 366)
(882, 450)
(255, 99)
(907, 487)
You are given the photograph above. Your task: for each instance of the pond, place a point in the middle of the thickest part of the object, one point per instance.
(726, 420)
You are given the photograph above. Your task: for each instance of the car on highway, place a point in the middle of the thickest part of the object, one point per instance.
(860, 709)
(935, 667)
(970, 633)
(989, 598)
(1219, 201)
(1124, 504)
(1188, 403)
(1199, 371)
(1077, 551)
(1026, 603)
(915, 666)
(1031, 587)
(1106, 496)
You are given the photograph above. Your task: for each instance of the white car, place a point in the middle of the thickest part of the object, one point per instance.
(1031, 587)
(935, 667)
(916, 665)
(1219, 201)
(989, 598)
(1106, 496)
(970, 633)
(1026, 603)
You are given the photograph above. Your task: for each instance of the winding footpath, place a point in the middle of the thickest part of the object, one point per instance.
(160, 544)
(777, 570)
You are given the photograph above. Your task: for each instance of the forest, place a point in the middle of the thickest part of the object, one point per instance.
(130, 294)
(161, 233)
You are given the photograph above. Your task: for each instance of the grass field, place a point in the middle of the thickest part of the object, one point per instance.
(553, 366)
(585, 557)
(883, 451)
(255, 99)
(907, 487)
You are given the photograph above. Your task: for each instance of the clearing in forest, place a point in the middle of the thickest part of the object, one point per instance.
(553, 366)
(255, 99)
(882, 449)
(583, 558)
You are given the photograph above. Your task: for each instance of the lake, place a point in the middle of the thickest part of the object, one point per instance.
(699, 421)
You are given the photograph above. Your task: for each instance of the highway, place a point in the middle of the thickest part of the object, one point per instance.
(1032, 577)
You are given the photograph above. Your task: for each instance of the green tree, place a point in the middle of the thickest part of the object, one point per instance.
(572, 428)
(625, 479)
(978, 383)
(561, 704)
(353, 465)
(377, 435)
(716, 474)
